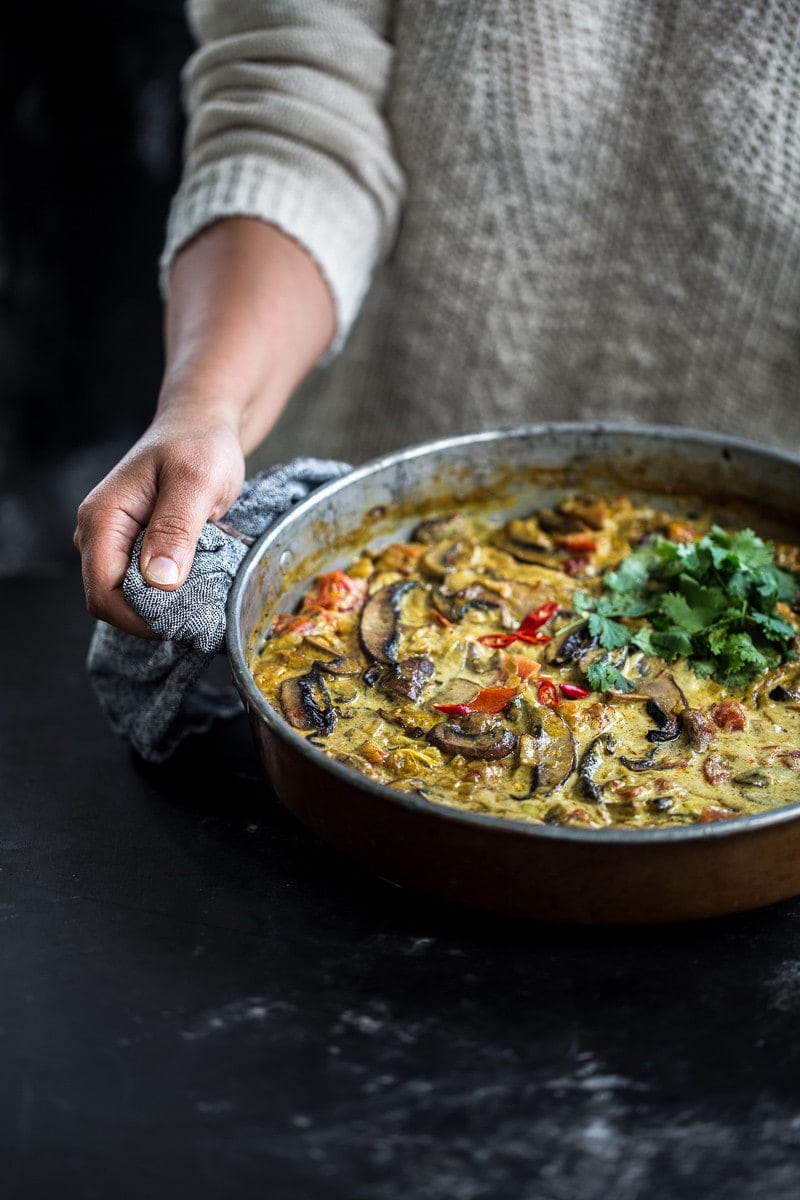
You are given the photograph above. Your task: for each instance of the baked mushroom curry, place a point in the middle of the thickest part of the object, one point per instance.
(596, 663)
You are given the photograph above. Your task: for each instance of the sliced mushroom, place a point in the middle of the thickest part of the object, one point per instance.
(482, 739)
(754, 778)
(436, 529)
(553, 521)
(553, 751)
(379, 629)
(397, 717)
(641, 764)
(444, 557)
(527, 542)
(700, 730)
(781, 685)
(590, 762)
(587, 508)
(343, 664)
(478, 596)
(570, 646)
(407, 677)
(662, 688)
(306, 703)
(667, 725)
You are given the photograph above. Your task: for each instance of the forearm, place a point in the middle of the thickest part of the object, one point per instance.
(248, 315)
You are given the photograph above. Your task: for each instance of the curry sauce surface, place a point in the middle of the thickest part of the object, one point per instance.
(407, 666)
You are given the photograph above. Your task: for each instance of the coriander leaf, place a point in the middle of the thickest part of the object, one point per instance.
(582, 601)
(692, 615)
(774, 628)
(602, 677)
(610, 634)
(672, 643)
(643, 640)
(630, 576)
(754, 554)
(710, 601)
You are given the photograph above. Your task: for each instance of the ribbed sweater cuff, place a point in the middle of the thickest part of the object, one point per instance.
(339, 232)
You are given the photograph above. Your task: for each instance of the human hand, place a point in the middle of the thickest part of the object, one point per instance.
(180, 474)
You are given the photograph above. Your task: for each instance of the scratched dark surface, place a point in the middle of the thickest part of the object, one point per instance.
(196, 997)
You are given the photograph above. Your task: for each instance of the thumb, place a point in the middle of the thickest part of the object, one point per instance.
(170, 540)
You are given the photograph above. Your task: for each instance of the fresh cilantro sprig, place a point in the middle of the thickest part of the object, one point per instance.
(711, 602)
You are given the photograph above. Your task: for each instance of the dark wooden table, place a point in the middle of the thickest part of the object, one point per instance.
(199, 999)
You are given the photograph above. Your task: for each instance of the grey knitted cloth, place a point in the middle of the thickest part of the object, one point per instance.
(152, 692)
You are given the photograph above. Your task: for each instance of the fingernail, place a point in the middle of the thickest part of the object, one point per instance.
(162, 571)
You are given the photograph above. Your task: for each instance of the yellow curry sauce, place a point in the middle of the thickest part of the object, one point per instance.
(456, 665)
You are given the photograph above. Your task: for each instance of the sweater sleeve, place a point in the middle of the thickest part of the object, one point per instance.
(284, 102)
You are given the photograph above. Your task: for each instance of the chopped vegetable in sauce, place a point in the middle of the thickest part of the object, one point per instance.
(596, 663)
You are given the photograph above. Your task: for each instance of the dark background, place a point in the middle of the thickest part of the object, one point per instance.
(91, 132)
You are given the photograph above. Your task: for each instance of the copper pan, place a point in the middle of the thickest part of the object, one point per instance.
(536, 872)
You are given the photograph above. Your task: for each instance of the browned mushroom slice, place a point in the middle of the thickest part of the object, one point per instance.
(444, 557)
(553, 521)
(436, 529)
(553, 751)
(483, 739)
(781, 685)
(662, 688)
(406, 678)
(700, 730)
(524, 553)
(306, 703)
(665, 703)
(667, 725)
(587, 508)
(478, 596)
(570, 646)
(590, 762)
(526, 540)
(379, 629)
(343, 664)
(649, 763)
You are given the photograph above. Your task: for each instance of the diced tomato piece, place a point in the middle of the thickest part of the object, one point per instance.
(337, 592)
(680, 532)
(517, 664)
(715, 769)
(373, 753)
(487, 700)
(729, 714)
(581, 543)
(293, 623)
(713, 812)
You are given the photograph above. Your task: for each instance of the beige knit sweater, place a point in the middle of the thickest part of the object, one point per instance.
(552, 209)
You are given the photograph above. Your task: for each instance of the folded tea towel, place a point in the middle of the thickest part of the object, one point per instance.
(152, 691)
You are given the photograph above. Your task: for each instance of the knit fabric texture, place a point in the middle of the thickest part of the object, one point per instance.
(152, 692)
(525, 210)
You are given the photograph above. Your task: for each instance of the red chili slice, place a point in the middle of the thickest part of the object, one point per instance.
(573, 691)
(498, 641)
(538, 616)
(547, 693)
(528, 630)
